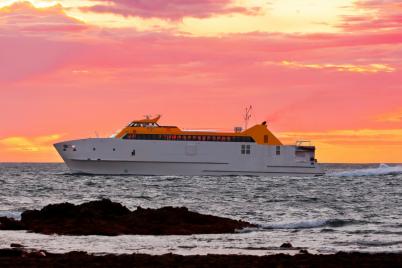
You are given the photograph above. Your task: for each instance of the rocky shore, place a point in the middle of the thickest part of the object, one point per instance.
(105, 217)
(17, 257)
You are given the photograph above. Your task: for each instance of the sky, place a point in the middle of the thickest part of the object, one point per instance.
(319, 70)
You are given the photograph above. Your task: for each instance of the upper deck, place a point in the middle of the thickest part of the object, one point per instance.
(149, 129)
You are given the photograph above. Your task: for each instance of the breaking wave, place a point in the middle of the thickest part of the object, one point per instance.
(309, 224)
(11, 214)
(379, 243)
(383, 169)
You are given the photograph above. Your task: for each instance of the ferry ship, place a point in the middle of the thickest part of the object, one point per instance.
(146, 148)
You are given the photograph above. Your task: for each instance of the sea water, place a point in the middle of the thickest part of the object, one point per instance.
(351, 208)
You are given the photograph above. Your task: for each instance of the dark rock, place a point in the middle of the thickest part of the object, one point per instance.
(303, 251)
(105, 217)
(16, 245)
(36, 253)
(11, 252)
(82, 259)
(286, 245)
(10, 224)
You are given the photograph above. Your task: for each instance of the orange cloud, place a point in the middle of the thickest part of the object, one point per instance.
(353, 136)
(33, 144)
(353, 146)
(32, 149)
(394, 117)
(370, 68)
(24, 17)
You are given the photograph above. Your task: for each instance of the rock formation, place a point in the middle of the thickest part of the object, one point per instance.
(105, 217)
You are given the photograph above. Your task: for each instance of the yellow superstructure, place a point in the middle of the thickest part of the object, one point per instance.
(148, 129)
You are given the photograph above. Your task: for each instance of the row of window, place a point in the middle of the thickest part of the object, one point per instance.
(246, 149)
(188, 137)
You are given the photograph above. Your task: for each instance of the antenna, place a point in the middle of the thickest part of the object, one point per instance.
(247, 116)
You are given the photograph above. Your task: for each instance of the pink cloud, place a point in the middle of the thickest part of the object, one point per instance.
(47, 40)
(35, 41)
(377, 3)
(172, 9)
(382, 15)
(386, 22)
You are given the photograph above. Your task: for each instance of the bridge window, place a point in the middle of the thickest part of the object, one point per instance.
(278, 150)
(143, 124)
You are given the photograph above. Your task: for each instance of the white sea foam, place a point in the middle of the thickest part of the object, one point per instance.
(11, 214)
(383, 169)
(296, 225)
(305, 224)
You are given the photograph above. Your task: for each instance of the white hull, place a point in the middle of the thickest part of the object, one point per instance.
(143, 157)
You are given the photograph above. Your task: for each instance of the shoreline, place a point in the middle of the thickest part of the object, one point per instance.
(21, 257)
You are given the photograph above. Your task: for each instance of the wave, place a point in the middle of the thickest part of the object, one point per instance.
(383, 169)
(309, 224)
(11, 214)
(379, 243)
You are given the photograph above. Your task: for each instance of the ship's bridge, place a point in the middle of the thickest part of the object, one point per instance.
(147, 122)
(149, 129)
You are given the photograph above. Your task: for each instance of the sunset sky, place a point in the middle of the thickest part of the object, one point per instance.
(319, 70)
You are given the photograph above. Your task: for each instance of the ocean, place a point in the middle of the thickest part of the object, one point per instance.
(351, 208)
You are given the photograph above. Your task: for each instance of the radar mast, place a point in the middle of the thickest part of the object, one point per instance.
(247, 116)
